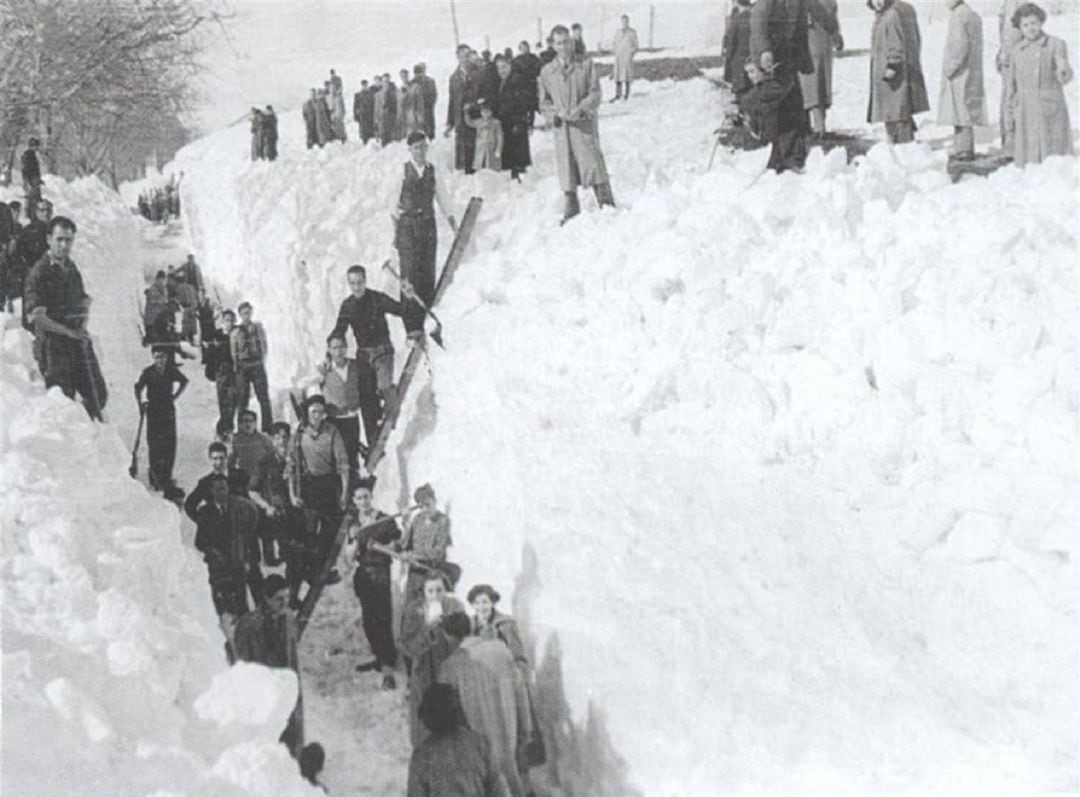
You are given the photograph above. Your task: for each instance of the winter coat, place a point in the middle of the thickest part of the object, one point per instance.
(411, 109)
(323, 130)
(780, 27)
(563, 89)
(895, 45)
(493, 700)
(489, 143)
(624, 46)
(427, 646)
(455, 763)
(1034, 79)
(31, 168)
(309, 123)
(824, 27)
(737, 49)
(514, 104)
(963, 102)
(386, 113)
(504, 628)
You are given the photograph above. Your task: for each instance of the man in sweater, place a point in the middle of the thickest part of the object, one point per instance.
(365, 311)
(341, 387)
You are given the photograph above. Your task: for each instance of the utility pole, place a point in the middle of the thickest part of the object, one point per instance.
(652, 24)
(540, 30)
(453, 14)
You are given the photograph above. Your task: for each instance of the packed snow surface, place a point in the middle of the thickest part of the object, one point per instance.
(110, 641)
(780, 470)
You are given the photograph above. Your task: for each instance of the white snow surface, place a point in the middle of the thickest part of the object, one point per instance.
(109, 638)
(779, 470)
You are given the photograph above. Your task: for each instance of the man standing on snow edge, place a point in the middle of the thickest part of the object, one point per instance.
(569, 95)
(57, 307)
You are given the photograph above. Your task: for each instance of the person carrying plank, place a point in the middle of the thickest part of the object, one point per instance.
(365, 311)
(416, 238)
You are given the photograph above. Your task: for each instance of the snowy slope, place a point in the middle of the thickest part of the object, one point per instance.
(114, 677)
(780, 471)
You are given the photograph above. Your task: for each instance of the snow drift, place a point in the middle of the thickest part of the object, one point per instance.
(782, 467)
(110, 641)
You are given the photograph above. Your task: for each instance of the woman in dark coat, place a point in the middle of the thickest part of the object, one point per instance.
(737, 47)
(513, 106)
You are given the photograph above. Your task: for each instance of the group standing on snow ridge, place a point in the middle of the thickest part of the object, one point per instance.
(778, 62)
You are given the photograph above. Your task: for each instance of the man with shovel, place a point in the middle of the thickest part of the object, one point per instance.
(365, 311)
(415, 235)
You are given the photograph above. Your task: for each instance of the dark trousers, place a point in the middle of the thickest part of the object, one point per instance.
(349, 426)
(72, 366)
(161, 443)
(226, 399)
(416, 244)
(372, 586)
(464, 147)
(248, 376)
(321, 495)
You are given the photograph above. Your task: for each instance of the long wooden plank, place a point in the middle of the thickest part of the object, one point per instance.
(416, 354)
(453, 260)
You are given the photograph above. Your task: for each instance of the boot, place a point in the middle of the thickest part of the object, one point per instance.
(618, 92)
(626, 94)
(603, 194)
(571, 207)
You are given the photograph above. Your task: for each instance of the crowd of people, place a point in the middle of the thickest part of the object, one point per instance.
(284, 508)
(160, 203)
(778, 61)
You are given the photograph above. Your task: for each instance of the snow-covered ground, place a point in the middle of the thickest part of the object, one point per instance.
(782, 467)
(114, 676)
(777, 472)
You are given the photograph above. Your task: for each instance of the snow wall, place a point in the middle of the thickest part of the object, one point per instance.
(114, 677)
(778, 472)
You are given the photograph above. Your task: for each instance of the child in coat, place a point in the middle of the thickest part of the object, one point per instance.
(489, 138)
(1038, 69)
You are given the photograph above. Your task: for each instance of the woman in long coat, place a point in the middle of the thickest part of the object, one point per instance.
(1037, 72)
(736, 50)
(822, 35)
(963, 101)
(570, 98)
(322, 118)
(513, 106)
(897, 86)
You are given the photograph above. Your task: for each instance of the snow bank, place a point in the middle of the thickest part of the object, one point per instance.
(109, 638)
(782, 466)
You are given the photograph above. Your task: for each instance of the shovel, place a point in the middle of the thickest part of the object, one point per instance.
(436, 334)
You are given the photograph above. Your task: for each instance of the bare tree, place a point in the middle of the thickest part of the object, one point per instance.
(87, 74)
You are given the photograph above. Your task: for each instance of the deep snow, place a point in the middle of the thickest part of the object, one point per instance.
(782, 466)
(777, 472)
(114, 676)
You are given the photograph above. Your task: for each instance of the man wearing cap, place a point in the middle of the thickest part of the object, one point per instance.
(225, 533)
(160, 408)
(56, 306)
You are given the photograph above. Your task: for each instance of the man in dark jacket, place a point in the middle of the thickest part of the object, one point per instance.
(528, 65)
(779, 45)
(364, 111)
(160, 413)
(225, 534)
(365, 313)
(430, 92)
(30, 246)
(31, 173)
(465, 85)
(270, 133)
(309, 120)
(388, 121)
